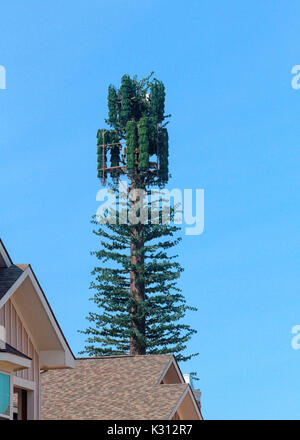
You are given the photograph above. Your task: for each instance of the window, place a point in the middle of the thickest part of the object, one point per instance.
(4, 394)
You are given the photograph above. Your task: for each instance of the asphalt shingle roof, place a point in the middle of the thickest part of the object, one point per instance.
(110, 388)
(8, 277)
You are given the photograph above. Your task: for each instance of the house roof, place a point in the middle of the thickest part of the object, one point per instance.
(108, 388)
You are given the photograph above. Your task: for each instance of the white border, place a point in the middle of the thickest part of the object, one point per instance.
(186, 391)
(4, 255)
(171, 361)
(4, 416)
(15, 359)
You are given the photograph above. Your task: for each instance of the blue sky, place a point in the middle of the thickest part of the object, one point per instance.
(234, 132)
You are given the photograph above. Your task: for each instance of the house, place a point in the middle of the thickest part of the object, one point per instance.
(149, 387)
(30, 340)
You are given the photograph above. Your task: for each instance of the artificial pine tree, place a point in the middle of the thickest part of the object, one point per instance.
(140, 306)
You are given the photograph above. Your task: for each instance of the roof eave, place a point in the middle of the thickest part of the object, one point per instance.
(5, 255)
(28, 272)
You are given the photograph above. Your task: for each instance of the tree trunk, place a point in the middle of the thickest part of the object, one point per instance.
(137, 288)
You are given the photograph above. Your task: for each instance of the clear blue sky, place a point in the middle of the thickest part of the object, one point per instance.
(234, 132)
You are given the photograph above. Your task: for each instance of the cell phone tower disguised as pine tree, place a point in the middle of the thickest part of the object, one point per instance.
(135, 286)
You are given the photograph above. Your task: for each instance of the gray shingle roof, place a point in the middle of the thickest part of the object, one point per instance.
(8, 277)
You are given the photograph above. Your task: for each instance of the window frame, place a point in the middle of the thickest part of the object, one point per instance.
(7, 416)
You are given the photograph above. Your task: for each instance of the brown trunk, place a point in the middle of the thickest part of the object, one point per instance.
(137, 290)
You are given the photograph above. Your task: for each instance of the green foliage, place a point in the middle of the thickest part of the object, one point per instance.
(110, 137)
(143, 143)
(126, 93)
(164, 155)
(131, 143)
(112, 102)
(100, 153)
(157, 101)
(152, 136)
(164, 306)
(114, 153)
(134, 101)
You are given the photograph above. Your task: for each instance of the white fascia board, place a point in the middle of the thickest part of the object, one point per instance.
(52, 359)
(189, 391)
(69, 358)
(14, 287)
(17, 361)
(178, 403)
(70, 361)
(172, 361)
(5, 255)
(23, 383)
